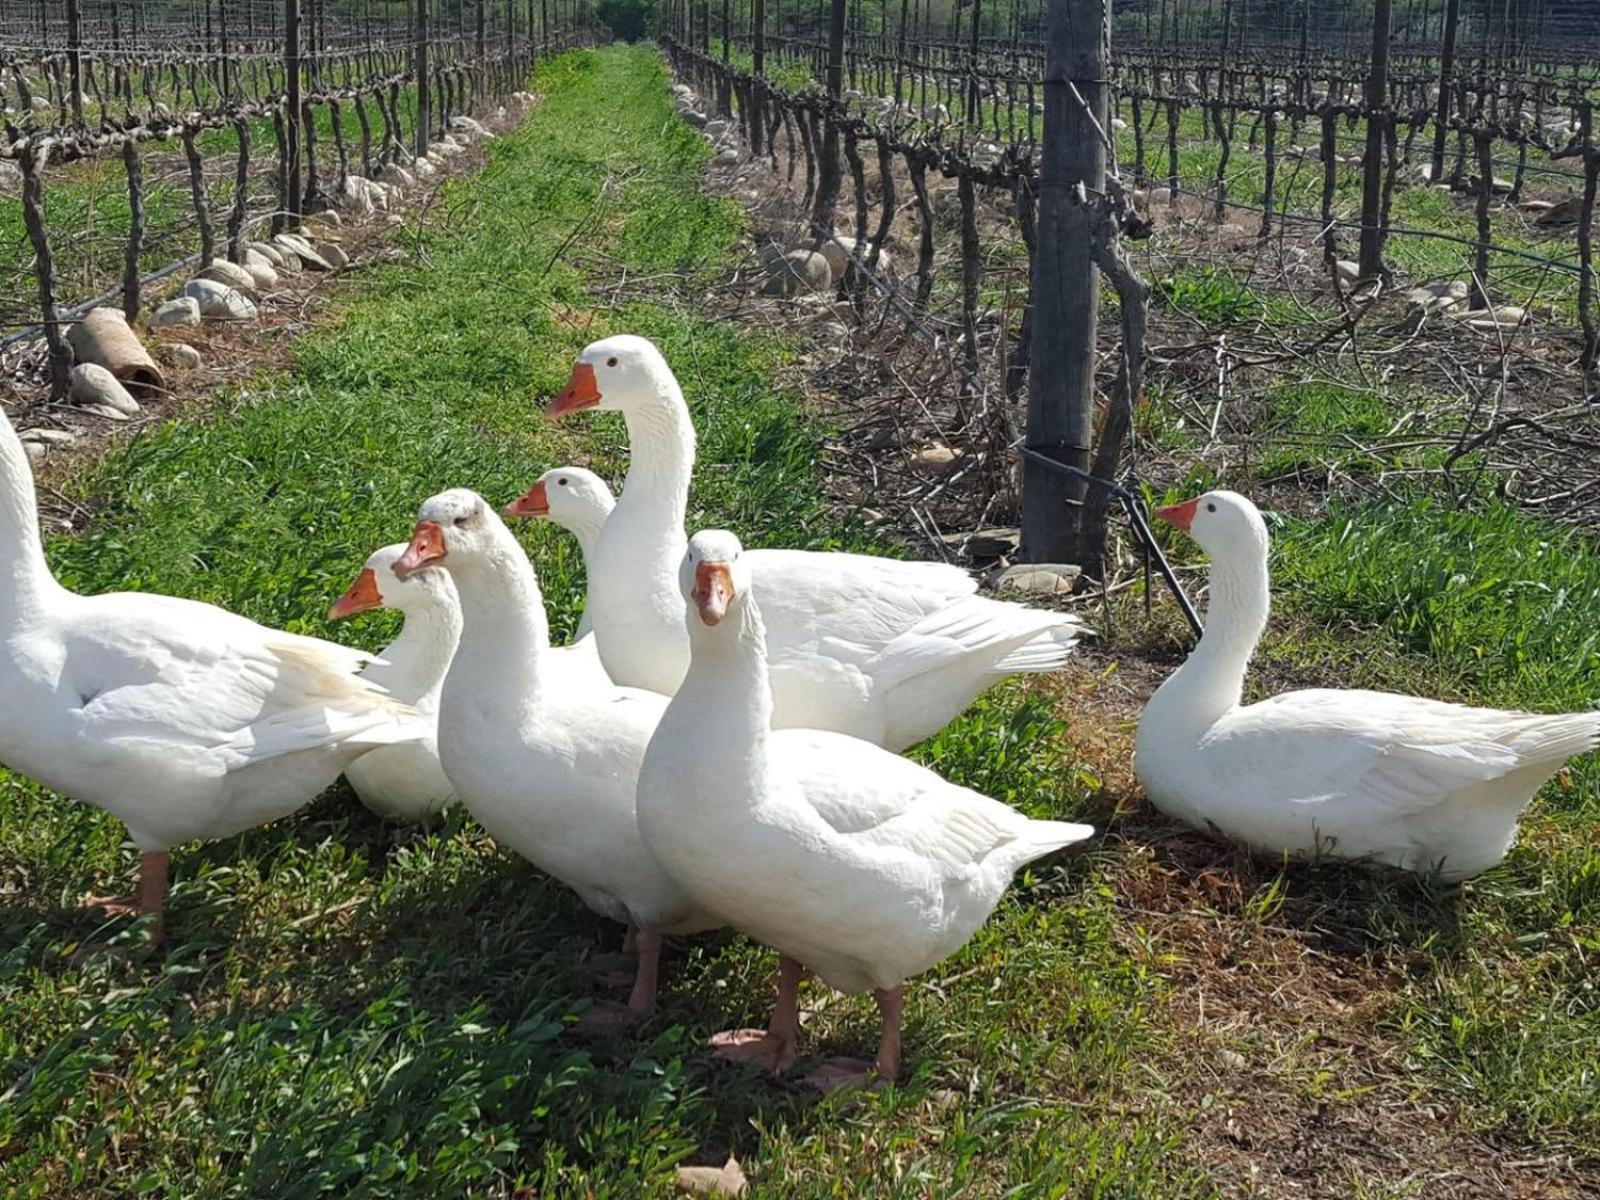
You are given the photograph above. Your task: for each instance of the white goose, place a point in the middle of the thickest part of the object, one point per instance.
(1372, 776)
(546, 760)
(180, 719)
(879, 648)
(855, 862)
(406, 782)
(579, 501)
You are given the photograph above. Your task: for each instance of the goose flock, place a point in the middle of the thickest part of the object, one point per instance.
(719, 747)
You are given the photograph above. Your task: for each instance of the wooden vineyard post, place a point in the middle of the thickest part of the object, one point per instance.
(32, 163)
(75, 58)
(828, 173)
(1065, 289)
(419, 70)
(135, 246)
(1447, 68)
(758, 61)
(1372, 161)
(291, 116)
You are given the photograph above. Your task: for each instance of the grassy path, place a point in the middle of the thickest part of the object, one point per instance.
(346, 1011)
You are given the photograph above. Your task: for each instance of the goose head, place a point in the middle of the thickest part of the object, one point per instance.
(378, 586)
(1228, 527)
(453, 528)
(616, 374)
(714, 577)
(570, 496)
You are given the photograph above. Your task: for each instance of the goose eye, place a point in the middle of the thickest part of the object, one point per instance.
(561, 483)
(611, 362)
(1211, 508)
(461, 522)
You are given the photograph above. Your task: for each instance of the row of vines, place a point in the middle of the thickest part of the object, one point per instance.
(142, 135)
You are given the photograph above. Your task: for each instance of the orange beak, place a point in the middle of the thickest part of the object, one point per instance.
(535, 502)
(426, 548)
(362, 596)
(713, 589)
(582, 391)
(1180, 515)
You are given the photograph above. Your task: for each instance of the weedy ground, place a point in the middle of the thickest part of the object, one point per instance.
(354, 1010)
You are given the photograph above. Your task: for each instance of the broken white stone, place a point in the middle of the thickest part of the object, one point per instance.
(271, 253)
(470, 127)
(232, 274)
(185, 310)
(94, 387)
(1039, 579)
(50, 437)
(794, 271)
(178, 354)
(1438, 296)
(294, 244)
(396, 175)
(219, 302)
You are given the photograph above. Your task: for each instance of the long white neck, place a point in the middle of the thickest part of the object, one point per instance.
(415, 663)
(586, 529)
(497, 666)
(1211, 682)
(661, 445)
(27, 589)
(726, 698)
(633, 574)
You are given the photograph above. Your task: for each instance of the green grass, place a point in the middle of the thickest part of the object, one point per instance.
(1498, 609)
(345, 1010)
(349, 1010)
(88, 215)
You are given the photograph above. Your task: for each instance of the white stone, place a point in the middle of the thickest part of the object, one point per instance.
(219, 302)
(263, 275)
(1438, 296)
(10, 177)
(333, 254)
(423, 169)
(185, 310)
(50, 437)
(94, 387)
(838, 251)
(470, 127)
(1040, 579)
(178, 354)
(230, 274)
(396, 175)
(271, 253)
(302, 250)
(797, 270)
(727, 158)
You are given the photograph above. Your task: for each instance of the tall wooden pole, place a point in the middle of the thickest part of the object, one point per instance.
(291, 117)
(75, 58)
(1372, 162)
(1065, 289)
(1447, 73)
(420, 69)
